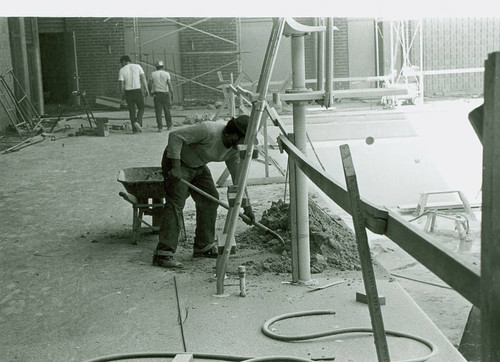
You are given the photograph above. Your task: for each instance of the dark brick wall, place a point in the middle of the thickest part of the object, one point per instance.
(100, 44)
(204, 67)
(5, 64)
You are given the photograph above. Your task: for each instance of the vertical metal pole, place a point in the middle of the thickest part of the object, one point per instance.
(377, 52)
(421, 61)
(37, 68)
(293, 215)
(392, 51)
(329, 62)
(266, 144)
(320, 70)
(300, 231)
(238, 44)
(77, 76)
(232, 99)
(136, 39)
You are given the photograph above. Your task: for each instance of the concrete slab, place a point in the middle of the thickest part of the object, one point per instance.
(233, 324)
(74, 288)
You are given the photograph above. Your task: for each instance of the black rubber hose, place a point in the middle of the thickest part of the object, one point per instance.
(219, 357)
(266, 330)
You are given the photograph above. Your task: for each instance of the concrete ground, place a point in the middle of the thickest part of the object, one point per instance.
(73, 287)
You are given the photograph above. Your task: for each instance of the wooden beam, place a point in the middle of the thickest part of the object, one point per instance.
(461, 276)
(490, 227)
(376, 217)
(447, 265)
(365, 257)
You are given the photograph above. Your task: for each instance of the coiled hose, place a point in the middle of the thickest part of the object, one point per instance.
(268, 333)
(218, 357)
(266, 330)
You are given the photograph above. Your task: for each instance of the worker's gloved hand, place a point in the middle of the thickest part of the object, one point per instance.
(247, 210)
(175, 174)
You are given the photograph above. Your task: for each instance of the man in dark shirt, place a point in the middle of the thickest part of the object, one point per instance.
(186, 156)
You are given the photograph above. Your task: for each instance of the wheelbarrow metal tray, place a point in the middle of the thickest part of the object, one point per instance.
(143, 182)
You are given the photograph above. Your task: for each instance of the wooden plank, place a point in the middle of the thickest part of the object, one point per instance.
(490, 227)
(365, 257)
(447, 265)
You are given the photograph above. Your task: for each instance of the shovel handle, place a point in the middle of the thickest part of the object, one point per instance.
(226, 206)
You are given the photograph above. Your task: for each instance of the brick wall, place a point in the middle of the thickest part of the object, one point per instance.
(99, 44)
(5, 64)
(340, 53)
(456, 43)
(204, 67)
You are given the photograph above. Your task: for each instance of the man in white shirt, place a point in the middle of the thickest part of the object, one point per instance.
(132, 83)
(160, 87)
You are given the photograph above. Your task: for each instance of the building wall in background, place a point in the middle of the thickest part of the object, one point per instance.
(196, 56)
(5, 65)
(340, 52)
(99, 44)
(458, 43)
(199, 59)
(255, 36)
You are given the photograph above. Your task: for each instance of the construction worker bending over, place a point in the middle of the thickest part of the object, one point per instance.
(186, 156)
(160, 87)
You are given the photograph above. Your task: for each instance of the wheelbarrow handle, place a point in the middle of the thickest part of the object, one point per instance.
(226, 206)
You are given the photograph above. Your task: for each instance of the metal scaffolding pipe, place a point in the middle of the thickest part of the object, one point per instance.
(320, 67)
(299, 196)
(37, 68)
(329, 62)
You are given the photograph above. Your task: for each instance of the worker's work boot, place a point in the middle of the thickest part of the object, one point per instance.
(165, 259)
(137, 127)
(209, 251)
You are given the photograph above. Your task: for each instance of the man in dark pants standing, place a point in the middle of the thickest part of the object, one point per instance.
(186, 156)
(132, 83)
(160, 87)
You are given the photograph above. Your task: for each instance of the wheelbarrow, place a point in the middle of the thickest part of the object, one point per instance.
(146, 183)
(144, 190)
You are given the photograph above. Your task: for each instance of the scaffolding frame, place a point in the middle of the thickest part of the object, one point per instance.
(178, 78)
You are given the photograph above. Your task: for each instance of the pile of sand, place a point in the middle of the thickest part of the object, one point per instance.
(332, 243)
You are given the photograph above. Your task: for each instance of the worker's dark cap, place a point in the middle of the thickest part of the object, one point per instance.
(241, 122)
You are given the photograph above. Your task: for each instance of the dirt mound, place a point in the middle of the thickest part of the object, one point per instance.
(332, 243)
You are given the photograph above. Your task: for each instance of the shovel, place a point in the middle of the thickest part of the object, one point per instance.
(226, 206)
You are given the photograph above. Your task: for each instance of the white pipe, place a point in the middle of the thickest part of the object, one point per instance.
(300, 232)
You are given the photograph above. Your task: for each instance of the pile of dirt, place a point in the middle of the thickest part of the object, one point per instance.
(332, 243)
